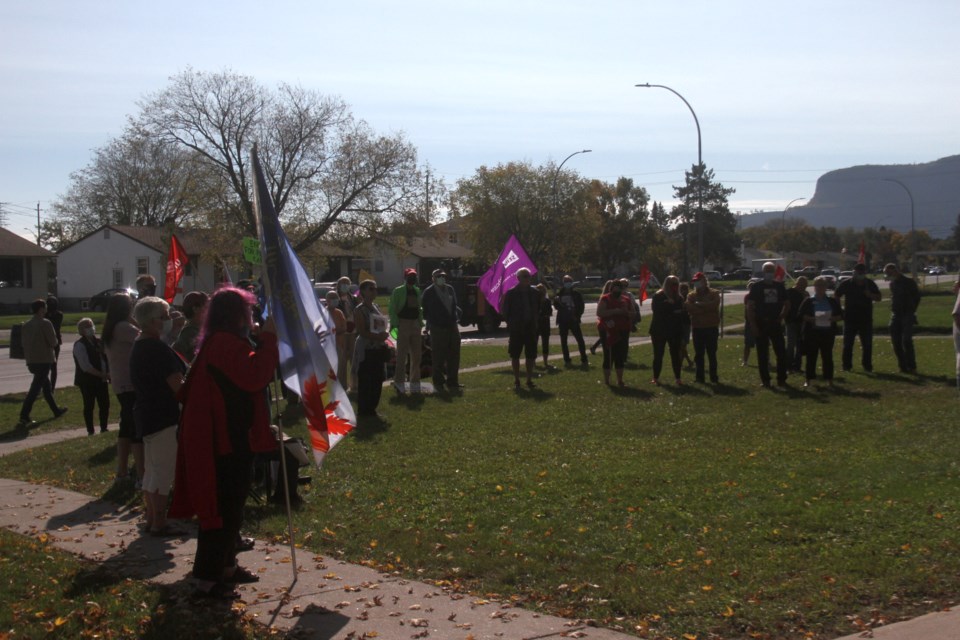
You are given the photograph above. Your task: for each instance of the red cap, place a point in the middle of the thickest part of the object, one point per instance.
(410, 271)
(698, 276)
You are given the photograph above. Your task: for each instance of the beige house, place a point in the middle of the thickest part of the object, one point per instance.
(23, 272)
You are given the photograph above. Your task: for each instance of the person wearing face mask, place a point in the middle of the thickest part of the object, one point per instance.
(156, 372)
(406, 317)
(858, 295)
(348, 304)
(703, 307)
(370, 351)
(339, 326)
(666, 327)
(570, 307)
(441, 313)
(91, 374)
(767, 306)
(616, 313)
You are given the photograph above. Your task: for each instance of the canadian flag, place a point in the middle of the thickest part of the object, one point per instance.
(176, 260)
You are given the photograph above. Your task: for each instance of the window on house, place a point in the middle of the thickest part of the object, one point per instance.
(143, 266)
(378, 266)
(118, 278)
(12, 272)
(452, 238)
(188, 270)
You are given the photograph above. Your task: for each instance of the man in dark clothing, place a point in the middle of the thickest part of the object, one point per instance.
(904, 300)
(521, 308)
(767, 306)
(858, 295)
(569, 305)
(441, 315)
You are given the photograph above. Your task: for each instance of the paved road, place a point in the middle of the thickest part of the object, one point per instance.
(14, 377)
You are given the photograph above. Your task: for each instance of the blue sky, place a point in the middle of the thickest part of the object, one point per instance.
(783, 93)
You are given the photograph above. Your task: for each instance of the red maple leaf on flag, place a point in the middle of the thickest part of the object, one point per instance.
(313, 407)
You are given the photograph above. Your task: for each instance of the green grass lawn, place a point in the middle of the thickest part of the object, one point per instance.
(70, 320)
(727, 511)
(48, 593)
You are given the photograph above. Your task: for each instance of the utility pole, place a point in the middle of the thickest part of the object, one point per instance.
(428, 195)
(38, 224)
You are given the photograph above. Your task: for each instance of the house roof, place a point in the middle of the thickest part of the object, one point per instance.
(428, 247)
(156, 238)
(14, 246)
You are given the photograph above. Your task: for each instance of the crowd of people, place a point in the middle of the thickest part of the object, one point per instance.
(192, 386)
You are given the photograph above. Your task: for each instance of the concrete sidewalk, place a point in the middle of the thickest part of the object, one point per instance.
(329, 599)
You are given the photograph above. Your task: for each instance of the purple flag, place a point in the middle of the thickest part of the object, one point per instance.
(502, 276)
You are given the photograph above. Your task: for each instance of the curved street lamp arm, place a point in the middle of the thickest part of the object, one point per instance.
(692, 112)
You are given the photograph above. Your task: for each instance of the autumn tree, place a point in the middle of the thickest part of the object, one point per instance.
(517, 198)
(323, 166)
(625, 230)
(719, 225)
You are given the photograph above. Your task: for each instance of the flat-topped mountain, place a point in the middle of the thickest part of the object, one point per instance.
(863, 196)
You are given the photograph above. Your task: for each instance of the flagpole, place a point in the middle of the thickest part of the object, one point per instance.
(276, 381)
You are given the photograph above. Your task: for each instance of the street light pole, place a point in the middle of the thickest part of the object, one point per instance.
(913, 230)
(699, 163)
(783, 217)
(556, 206)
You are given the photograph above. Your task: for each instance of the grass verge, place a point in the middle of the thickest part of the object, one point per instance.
(49, 593)
(713, 511)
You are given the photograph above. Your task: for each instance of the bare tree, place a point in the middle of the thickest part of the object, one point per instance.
(321, 163)
(135, 179)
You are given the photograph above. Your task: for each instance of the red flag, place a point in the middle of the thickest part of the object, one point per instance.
(862, 256)
(176, 260)
(780, 274)
(644, 279)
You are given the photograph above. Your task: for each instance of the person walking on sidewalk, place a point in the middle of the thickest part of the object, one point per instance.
(406, 318)
(55, 316)
(91, 374)
(39, 350)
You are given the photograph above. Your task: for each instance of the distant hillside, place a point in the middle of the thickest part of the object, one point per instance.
(858, 197)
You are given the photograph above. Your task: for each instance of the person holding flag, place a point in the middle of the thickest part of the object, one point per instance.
(521, 308)
(226, 420)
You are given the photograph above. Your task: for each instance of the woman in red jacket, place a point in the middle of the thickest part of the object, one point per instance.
(225, 421)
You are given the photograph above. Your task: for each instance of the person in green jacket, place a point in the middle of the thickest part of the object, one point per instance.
(406, 322)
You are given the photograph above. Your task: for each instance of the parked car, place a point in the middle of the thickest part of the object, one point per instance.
(936, 271)
(99, 301)
(743, 273)
(844, 276)
(713, 276)
(807, 272)
(831, 278)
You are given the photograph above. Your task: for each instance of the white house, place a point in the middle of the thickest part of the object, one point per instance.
(23, 272)
(114, 256)
(386, 258)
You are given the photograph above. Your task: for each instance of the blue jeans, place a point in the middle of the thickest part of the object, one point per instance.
(901, 334)
(40, 383)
